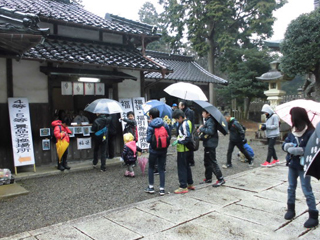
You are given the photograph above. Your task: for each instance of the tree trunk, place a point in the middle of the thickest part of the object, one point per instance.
(246, 108)
(212, 91)
(317, 85)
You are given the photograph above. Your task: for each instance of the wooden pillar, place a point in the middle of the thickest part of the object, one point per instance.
(9, 71)
(142, 84)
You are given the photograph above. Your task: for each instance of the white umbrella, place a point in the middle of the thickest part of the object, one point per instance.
(186, 91)
(104, 105)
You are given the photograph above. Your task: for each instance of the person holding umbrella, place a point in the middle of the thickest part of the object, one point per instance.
(294, 145)
(189, 113)
(209, 135)
(99, 123)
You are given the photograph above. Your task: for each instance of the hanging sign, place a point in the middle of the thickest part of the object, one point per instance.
(21, 135)
(84, 143)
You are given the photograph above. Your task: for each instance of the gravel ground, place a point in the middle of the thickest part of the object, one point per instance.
(72, 195)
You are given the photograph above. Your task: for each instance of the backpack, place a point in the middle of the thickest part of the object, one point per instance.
(160, 138)
(102, 131)
(52, 137)
(193, 145)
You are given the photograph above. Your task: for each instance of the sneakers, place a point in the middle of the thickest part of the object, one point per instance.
(103, 169)
(250, 164)
(219, 183)
(181, 190)
(162, 192)
(225, 166)
(206, 181)
(191, 187)
(126, 174)
(94, 166)
(266, 164)
(274, 162)
(149, 190)
(131, 174)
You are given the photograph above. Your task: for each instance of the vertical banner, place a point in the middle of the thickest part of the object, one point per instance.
(21, 135)
(126, 104)
(142, 122)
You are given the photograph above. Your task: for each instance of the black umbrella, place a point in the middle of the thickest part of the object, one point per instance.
(312, 156)
(222, 125)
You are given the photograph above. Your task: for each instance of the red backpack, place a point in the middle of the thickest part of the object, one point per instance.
(160, 139)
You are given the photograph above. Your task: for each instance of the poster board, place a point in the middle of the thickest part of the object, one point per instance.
(142, 122)
(84, 143)
(126, 104)
(21, 134)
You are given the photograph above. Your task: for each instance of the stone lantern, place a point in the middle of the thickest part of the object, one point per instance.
(274, 77)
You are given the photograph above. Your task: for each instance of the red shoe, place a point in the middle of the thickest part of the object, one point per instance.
(275, 162)
(266, 164)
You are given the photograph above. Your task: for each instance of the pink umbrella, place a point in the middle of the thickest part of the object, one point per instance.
(312, 108)
(142, 163)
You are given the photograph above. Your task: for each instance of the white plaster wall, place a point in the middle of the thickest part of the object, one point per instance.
(3, 81)
(75, 32)
(130, 88)
(29, 82)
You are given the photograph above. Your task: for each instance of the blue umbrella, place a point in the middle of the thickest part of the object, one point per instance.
(164, 109)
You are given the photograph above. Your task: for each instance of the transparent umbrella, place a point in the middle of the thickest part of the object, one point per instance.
(104, 105)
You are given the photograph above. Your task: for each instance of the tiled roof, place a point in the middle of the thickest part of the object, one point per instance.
(184, 69)
(73, 13)
(19, 32)
(105, 55)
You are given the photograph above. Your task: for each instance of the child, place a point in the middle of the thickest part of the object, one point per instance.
(157, 156)
(294, 145)
(237, 138)
(271, 128)
(131, 126)
(210, 142)
(184, 136)
(129, 154)
(249, 149)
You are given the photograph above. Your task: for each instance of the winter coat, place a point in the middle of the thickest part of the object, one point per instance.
(156, 123)
(236, 131)
(294, 161)
(184, 135)
(60, 134)
(131, 127)
(210, 129)
(129, 153)
(100, 122)
(272, 122)
(248, 149)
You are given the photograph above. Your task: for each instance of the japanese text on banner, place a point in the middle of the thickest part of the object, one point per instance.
(142, 122)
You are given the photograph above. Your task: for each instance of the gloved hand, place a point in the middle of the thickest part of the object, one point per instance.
(286, 146)
(174, 143)
(296, 151)
(263, 127)
(244, 141)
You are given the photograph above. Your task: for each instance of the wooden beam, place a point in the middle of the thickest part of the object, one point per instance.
(9, 77)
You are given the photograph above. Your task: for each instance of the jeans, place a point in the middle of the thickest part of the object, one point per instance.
(190, 157)
(241, 148)
(211, 164)
(305, 185)
(184, 170)
(160, 159)
(98, 143)
(271, 150)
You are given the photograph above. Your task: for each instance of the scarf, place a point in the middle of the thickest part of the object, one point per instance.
(299, 134)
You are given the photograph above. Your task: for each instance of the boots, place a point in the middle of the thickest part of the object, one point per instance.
(60, 167)
(65, 165)
(291, 213)
(313, 219)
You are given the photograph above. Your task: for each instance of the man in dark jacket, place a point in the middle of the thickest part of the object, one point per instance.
(156, 156)
(210, 138)
(237, 138)
(100, 141)
(190, 116)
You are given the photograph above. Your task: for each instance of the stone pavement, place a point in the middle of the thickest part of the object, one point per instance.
(251, 205)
